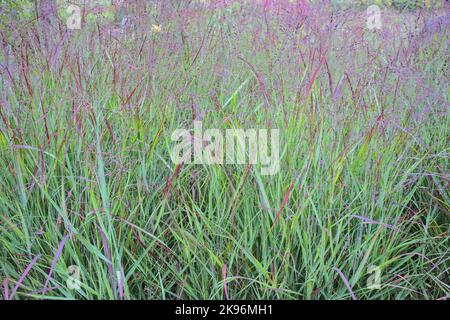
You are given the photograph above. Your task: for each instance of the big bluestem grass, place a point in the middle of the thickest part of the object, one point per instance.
(86, 179)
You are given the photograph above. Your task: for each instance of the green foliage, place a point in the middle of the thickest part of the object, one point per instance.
(85, 157)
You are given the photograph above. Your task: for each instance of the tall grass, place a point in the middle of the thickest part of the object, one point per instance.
(85, 135)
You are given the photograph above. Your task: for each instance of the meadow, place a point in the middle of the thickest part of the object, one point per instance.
(92, 207)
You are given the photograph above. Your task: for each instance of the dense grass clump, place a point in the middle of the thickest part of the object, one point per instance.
(86, 182)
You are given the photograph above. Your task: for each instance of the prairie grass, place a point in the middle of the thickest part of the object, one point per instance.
(86, 180)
